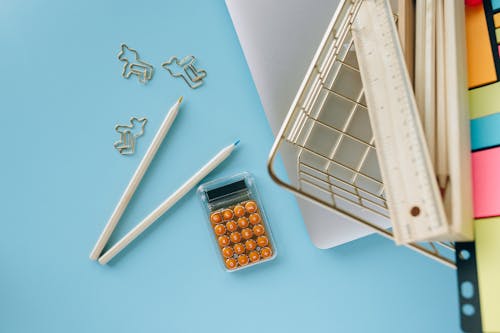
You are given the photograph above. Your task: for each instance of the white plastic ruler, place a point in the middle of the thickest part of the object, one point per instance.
(412, 193)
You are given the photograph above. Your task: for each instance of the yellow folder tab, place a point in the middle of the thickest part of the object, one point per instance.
(488, 271)
(481, 68)
(484, 101)
(496, 19)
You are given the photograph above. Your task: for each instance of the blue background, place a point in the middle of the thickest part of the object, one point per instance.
(61, 94)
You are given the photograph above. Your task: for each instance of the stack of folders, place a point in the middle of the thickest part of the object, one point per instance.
(442, 97)
(415, 81)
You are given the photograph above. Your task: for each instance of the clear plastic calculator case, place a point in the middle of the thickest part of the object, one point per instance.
(237, 222)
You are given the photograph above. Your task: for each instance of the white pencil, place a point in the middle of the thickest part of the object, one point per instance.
(167, 204)
(420, 43)
(135, 181)
(442, 170)
(430, 78)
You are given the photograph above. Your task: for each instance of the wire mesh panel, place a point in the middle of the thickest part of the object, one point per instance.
(328, 138)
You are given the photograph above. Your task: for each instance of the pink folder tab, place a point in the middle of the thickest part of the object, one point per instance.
(486, 182)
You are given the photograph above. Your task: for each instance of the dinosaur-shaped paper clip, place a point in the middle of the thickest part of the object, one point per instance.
(129, 134)
(191, 75)
(134, 65)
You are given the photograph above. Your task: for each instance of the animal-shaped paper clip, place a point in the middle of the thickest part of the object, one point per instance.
(190, 74)
(129, 134)
(134, 65)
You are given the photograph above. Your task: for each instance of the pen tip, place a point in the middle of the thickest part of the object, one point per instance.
(236, 143)
(180, 99)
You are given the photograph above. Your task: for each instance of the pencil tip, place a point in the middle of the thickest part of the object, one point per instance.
(180, 99)
(236, 143)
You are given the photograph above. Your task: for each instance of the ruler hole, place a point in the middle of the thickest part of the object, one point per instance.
(415, 211)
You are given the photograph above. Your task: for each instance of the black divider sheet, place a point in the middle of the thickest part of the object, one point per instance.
(468, 287)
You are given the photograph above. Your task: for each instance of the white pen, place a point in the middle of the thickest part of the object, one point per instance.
(168, 203)
(136, 179)
(442, 169)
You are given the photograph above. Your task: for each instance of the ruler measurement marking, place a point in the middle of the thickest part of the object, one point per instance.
(415, 205)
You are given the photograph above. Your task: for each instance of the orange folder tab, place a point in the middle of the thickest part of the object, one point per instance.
(480, 64)
(496, 20)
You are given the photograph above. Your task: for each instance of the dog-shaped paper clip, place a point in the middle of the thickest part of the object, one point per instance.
(191, 75)
(129, 135)
(134, 65)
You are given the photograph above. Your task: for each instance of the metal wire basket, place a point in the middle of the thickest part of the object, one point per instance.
(328, 138)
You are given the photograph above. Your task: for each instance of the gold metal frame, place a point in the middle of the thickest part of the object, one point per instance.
(354, 188)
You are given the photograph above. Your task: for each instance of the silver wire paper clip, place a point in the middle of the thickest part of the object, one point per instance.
(191, 75)
(129, 134)
(134, 65)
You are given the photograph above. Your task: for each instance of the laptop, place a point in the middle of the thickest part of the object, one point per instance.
(279, 39)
